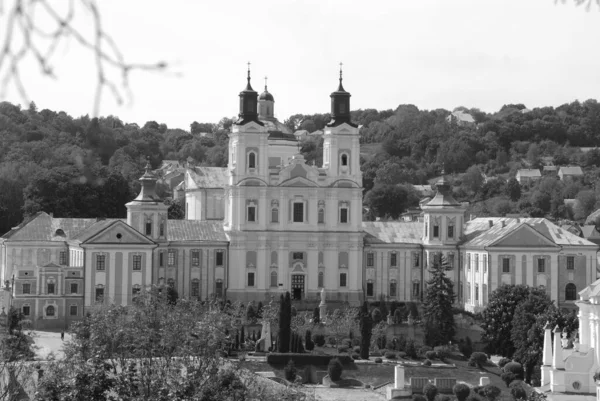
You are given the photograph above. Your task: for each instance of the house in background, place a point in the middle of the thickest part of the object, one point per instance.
(591, 234)
(528, 176)
(570, 172)
(460, 118)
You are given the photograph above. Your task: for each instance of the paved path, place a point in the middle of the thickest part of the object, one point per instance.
(47, 342)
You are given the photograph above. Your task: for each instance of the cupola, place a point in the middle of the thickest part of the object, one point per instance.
(148, 182)
(266, 104)
(248, 104)
(340, 105)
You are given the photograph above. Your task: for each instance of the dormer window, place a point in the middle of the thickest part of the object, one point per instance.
(251, 160)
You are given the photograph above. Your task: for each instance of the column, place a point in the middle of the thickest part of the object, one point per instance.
(262, 265)
(554, 278)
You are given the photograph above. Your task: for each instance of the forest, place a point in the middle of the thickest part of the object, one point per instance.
(88, 167)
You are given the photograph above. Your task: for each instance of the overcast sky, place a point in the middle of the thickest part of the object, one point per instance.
(430, 53)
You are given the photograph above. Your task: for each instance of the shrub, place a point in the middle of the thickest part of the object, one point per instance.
(515, 368)
(427, 362)
(419, 397)
(335, 369)
(319, 339)
(466, 347)
(331, 340)
(444, 352)
(375, 353)
(347, 342)
(290, 371)
(423, 350)
(356, 349)
(478, 359)
(343, 348)
(444, 398)
(401, 354)
(276, 358)
(461, 391)
(491, 392)
(431, 355)
(518, 393)
(378, 360)
(430, 391)
(502, 362)
(356, 342)
(508, 377)
(376, 316)
(390, 355)
(411, 349)
(355, 356)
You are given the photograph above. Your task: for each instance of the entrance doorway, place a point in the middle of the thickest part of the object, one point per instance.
(297, 286)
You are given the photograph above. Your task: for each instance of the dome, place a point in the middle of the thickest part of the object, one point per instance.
(266, 95)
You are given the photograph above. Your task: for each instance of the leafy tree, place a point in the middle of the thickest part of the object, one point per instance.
(472, 180)
(390, 200)
(513, 189)
(586, 203)
(438, 316)
(497, 318)
(366, 326)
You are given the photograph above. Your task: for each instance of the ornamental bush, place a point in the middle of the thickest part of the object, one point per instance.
(461, 391)
(491, 392)
(378, 360)
(508, 377)
(430, 391)
(335, 369)
(390, 355)
(411, 349)
(290, 371)
(342, 348)
(355, 356)
(502, 362)
(419, 397)
(478, 359)
(427, 362)
(518, 393)
(515, 368)
(319, 339)
(431, 355)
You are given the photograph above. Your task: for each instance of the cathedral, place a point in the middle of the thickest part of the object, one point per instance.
(270, 223)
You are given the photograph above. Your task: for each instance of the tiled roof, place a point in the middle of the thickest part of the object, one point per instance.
(571, 170)
(393, 232)
(95, 229)
(194, 230)
(529, 172)
(208, 177)
(43, 227)
(479, 233)
(590, 232)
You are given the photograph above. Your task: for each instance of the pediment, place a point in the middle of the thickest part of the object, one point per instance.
(298, 182)
(119, 233)
(252, 182)
(523, 236)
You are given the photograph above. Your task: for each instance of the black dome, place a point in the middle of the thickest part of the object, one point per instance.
(266, 96)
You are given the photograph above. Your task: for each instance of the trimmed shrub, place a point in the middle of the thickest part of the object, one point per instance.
(347, 342)
(423, 350)
(518, 393)
(306, 359)
(309, 344)
(419, 397)
(356, 342)
(375, 353)
(356, 349)
(515, 368)
(335, 369)
(478, 359)
(319, 339)
(461, 391)
(491, 392)
(331, 340)
(427, 362)
(502, 362)
(378, 360)
(431, 355)
(390, 355)
(508, 377)
(343, 348)
(466, 347)
(290, 371)
(430, 391)
(376, 316)
(444, 398)
(355, 356)
(401, 354)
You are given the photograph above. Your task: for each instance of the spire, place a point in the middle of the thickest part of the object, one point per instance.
(148, 182)
(248, 104)
(340, 105)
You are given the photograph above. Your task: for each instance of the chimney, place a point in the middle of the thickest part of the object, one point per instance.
(503, 223)
(491, 223)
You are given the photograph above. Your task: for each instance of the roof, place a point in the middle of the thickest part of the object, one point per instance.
(266, 95)
(590, 232)
(529, 172)
(94, 229)
(443, 196)
(209, 177)
(194, 230)
(570, 170)
(462, 116)
(43, 227)
(591, 219)
(393, 232)
(479, 233)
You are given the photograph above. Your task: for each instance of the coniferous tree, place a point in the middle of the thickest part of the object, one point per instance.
(366, 327)
(242, 336)
(437, 308)
(285, 322)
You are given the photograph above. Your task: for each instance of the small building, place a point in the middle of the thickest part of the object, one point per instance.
(460, 118)
(424, 190)
(301, 134)
(570, 171)
(528, 176)
(591, 234)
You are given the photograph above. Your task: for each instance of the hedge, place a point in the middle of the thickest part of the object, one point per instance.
(306, 359)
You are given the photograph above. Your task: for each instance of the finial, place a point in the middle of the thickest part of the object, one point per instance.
(341, 64)
(248, 71)
(148, 166)
(266, 83)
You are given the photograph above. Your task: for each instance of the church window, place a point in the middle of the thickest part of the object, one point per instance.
(195, 288)
(148, 228)
(344, 214)
(468, 262)
(415, 259)
(100, 262)
(343, 277)
(74, 288)
(251, 160)
(275, 215)
(321, 280)
(505, 265)
(450, 232)
(476, 292)
(219, 288)
(50, 287)
(219, 258)
(26, 288)
(171, 257)
(541, 265)
(298, 215)
(273, 279)
(393, 259)
(484, 258)
(344, 160)
(251, 209)
(26, 309)
(73, 310)
(99, 293)
(370, 288)
(250, 279)
(137, 262)
(298, 256)
(393, 288)
(436, 230)
(50, 310)
(570, 262)
(321, 216)
(570, 292)
(195, 257)
(370, 259)
(416, 289)
(62, 258)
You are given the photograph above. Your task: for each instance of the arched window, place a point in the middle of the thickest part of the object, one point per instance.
(570, 292)
(344, 160)
(50, 311)
(275, 215)
(321, 216)
(251, 160)
(393, 288)
(273, 279)
(321, 283)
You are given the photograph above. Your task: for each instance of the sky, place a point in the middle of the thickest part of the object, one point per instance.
(430, 53)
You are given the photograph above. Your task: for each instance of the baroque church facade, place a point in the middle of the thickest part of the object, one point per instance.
(268, 223)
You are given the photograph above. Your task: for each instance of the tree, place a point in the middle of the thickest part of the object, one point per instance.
(513, 189)
(472, 180)
(586, 203)
(366, 326)
(497, 318)
(390, 200)
(285, 322)
(438, 316)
